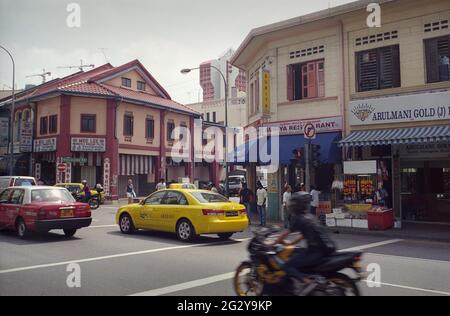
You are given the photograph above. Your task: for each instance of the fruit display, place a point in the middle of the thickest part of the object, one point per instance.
(358, 188)
(366, 187)
(350, 187)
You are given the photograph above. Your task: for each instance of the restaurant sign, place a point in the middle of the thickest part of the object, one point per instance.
(401, 109)
(83, 144)
(322, 125)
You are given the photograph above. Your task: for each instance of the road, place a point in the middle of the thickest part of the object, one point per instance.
(150, 263)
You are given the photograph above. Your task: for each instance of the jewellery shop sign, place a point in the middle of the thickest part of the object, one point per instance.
(400, 109)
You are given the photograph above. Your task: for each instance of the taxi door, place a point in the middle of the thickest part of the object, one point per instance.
(4, 201)
(173, 206)
(149, 215)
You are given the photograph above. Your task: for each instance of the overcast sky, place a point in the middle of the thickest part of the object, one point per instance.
(165, 35)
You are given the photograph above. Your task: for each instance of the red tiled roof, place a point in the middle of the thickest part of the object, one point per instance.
(148, 98)
(88, 83)
(126, 66)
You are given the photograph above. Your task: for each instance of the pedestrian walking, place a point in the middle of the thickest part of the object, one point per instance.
(261, 200)
(161, 185)
(286, 197)
(246, 198)
(131, 194)
(315, 194)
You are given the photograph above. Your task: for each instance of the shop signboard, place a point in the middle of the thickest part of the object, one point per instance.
(84, 144)
(4, 131)
(297, 127)
(45, 145)
(360, 167)
(436, 150)
(266, 93)
(26, 137)
(401, 109)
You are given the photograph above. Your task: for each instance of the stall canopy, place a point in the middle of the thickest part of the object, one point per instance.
(415, 135)
(328, 142)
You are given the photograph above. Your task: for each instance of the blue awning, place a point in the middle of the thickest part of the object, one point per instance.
(415, 135)
(330, 153)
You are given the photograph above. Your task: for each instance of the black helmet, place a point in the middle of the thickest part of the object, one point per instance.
(299, 202)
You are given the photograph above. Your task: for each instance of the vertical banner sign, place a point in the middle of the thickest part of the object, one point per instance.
(4, 131)
(106, 176)
(58, 173)
(26, 137)
(266, 93)
(68, 178)
(37, 171)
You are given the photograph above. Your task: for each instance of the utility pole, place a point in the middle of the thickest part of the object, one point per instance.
(308, 166)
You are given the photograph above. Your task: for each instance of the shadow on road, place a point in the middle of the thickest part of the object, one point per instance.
(171, 238)
(35, 238)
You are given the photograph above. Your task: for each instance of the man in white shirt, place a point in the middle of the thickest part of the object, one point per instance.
(261, 199)
(286, 197)
(315, 200)
(161, 185)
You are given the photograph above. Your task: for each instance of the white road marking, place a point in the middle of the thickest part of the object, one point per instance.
(103, 226)
(230, 275)
(121, 255)
(412, 288)
(187, 285)
(374, 245)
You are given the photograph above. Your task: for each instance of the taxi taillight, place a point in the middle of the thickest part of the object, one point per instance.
(243, 212)
(213, 213)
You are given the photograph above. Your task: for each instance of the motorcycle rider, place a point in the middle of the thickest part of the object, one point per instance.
(87, 191)
(318, 240)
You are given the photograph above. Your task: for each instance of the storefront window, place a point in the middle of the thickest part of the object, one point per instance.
(409, 180)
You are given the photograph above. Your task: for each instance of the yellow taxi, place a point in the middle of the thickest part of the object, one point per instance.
(186, 212)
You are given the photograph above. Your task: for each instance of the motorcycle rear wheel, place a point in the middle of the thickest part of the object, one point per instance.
(247, 282)
(94, 203)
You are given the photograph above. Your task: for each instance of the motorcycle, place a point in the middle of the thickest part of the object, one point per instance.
(94, 201)
(262, 274)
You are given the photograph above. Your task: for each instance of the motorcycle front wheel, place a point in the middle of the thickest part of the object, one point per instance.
(247, 282)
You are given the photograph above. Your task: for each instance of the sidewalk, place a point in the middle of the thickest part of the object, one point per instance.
(412, 231)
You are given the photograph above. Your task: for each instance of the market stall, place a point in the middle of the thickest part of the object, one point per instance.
(365, 200)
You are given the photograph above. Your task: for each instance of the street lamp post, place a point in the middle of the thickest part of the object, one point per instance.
(188, 70)
(11, 125)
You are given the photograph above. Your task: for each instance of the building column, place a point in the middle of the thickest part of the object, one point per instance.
(214, 169)
(111, 157)
(161, 160)
(63, 148)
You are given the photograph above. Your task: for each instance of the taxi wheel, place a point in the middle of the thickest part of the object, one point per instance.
(225, 236)
(185, 231)
(126, 224)
(21, 228)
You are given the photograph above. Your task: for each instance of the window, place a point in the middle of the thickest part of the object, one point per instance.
(252, 99)
(306, 80)
(170, 129)
(53, 124)
(378, 69)
(150, 128)
(17, 197)
(141, 86)
(88, 123)
(128, 124)
(437, 53)
(44, 125)
(126, 82)
(174, 198)
(4, 196)
(183, 130)
(207, 117)
(214, 117)
(155, 199)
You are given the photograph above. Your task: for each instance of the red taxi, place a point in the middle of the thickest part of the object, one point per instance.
(41, 209)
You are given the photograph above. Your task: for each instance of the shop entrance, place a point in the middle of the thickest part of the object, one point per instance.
(425, 190)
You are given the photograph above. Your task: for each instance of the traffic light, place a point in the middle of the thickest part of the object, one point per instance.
(299, 153)
(315, 155)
